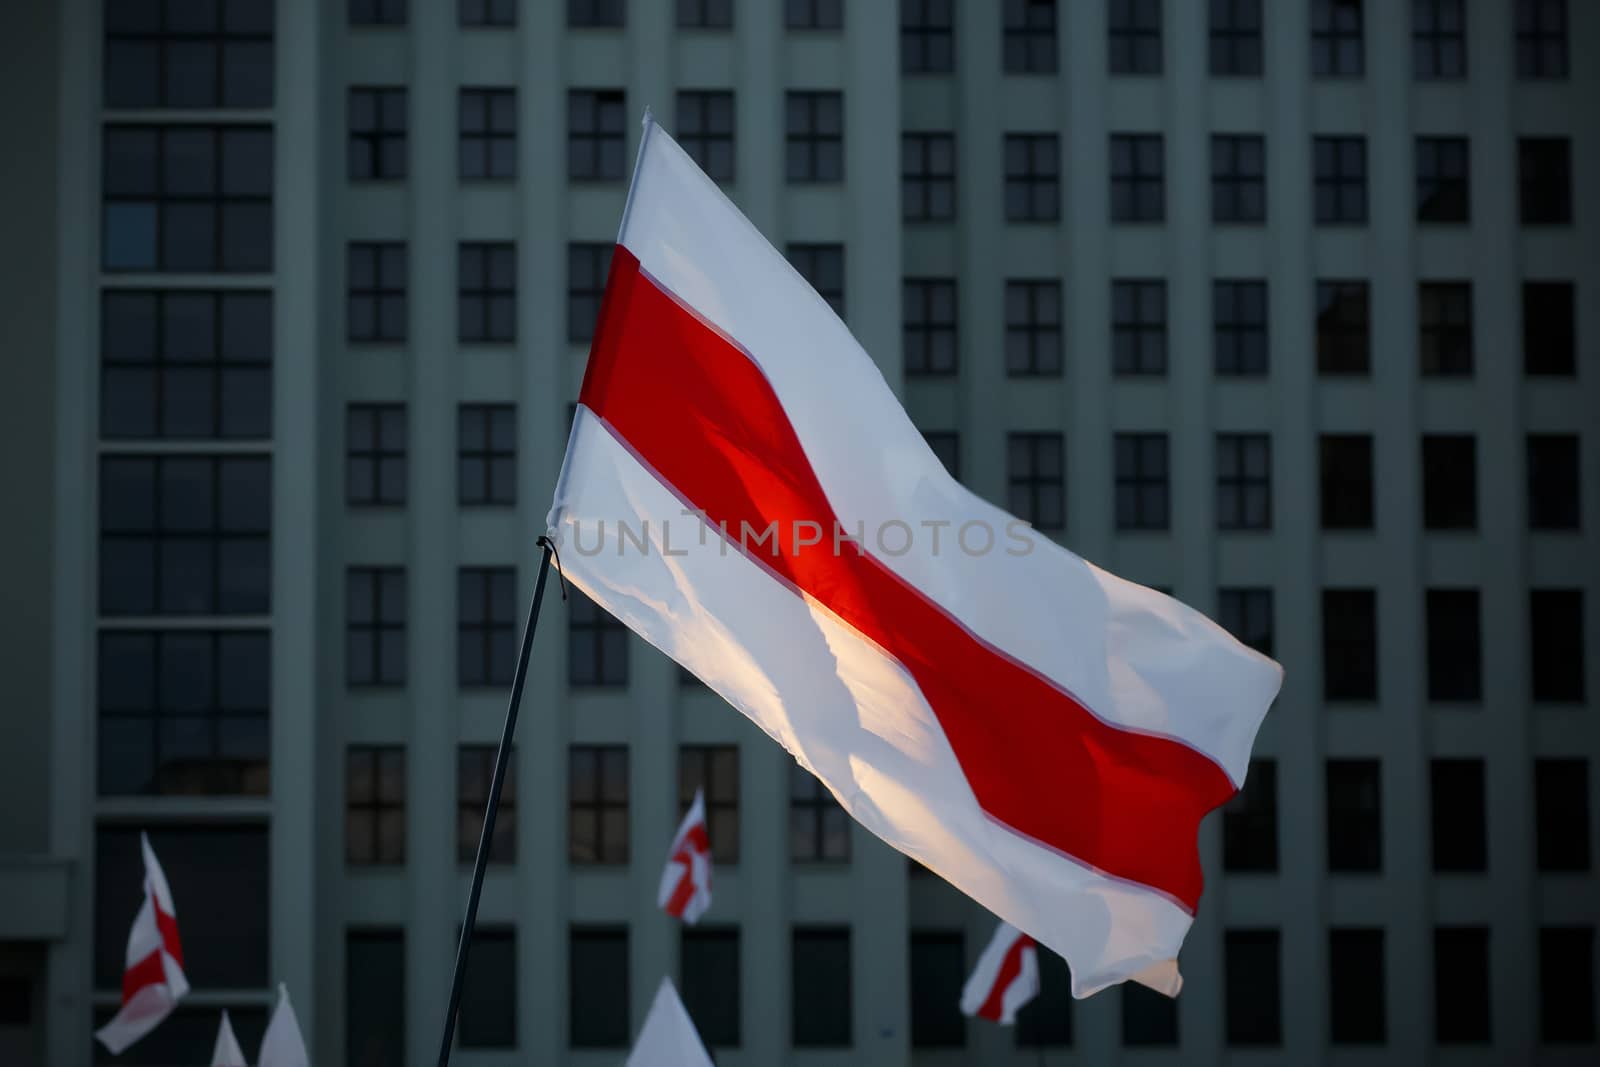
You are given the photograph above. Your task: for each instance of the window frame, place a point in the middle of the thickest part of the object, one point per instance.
(368, 811)
(599, 803)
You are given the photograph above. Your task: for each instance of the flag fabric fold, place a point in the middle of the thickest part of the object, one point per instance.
(153, 980)
(1005, 979)
(685, 891)
(282, 1045)
(668, 1037)
(226, 1052)
(742, 488)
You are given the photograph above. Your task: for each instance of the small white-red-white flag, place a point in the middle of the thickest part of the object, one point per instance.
(1006, 977)
(686, 883)
(227, 1052)
(152, 979)
(282, 1045)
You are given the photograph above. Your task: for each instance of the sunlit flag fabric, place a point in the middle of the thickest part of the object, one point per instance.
(226, 1052)
(153, 980)
(282, 1045)
(686, 883)
(1006, 977)
(668, 1037)
(743, 490)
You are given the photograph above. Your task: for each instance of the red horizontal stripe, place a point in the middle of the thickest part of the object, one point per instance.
(702, 414)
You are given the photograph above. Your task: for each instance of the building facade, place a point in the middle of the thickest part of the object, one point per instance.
(1282, 307)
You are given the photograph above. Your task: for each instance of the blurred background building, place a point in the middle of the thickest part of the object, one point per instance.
(1277, 306)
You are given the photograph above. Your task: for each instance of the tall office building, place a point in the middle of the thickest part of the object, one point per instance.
(1285, 307)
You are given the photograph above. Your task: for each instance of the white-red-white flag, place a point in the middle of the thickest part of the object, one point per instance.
(686, 882)
(152, 978)
(742, 488)
(1006, 977)
(226, 1052)
(282, 1045)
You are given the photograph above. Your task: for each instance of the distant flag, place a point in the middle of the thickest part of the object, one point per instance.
(227, 1052)
(152, 980)
(686, 883)
(282, 1045)
(1006, 977)
(668, 1037)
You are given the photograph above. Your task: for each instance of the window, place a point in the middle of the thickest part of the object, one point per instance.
(1349, 645)
(1035, 480)
(946, 447)
(815, 136)
(1566, 984)
(1461, 985)
(597, 645)
(1438, 39)
(597, 987)
(595, 13)
(1046, 1020)
(597, 804)
(1033, 328)
(194, 56)
(1250, 823)
(1544, 166)
(1244, 481)
(375, 626)
(1139, 326)
(189, 364)
(1356, 986)
(184, 712)
(376, 149)
(822, 265)
(819, 829)
(595, 134)
(486, 457)
(486, 292)
(1442, 180)
(705, 14)
(1343, 327)
(488, 129)
(486, 621)
(1449, 482)
(1135, 36)
(374, 805)
(1459, 843)
(489, 989)
(929, 307)
(813, 14)
(185, 535)
(1029, 45)
(226, 864)
(1555, 632)
(1033, 177)
(1561, 800)
(820, 984)
(1138, 185)
(1355, 822)
(1346, 481)
(187, 198)
(1553, 486)
(938, 971)
(705, 130)
(1148, 1018)
(1336, 46)
(927, 36)
(928, 177)
(1445, 319)
(709, 978)
(1341, 179)
(375, 309)
(714, 769)
(374, 996)
(500, 13)
(588, 265)
(1251, 987)
(377, 12)
(1548, 334)
(1239, 326)
(474, 771)
(1246, 613)
(375, 454)
(1238, 178)
(1235, 38)
(1541, 39)
(1141, 480)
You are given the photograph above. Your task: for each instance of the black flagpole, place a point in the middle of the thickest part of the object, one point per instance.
(500, 759)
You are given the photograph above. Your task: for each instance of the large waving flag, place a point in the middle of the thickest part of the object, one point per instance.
(152, 980)
(685, 891)
(742, 489)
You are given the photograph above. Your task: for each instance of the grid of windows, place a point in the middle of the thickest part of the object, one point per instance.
(1033, 328)
(374, 805)
(1566, 985)
(1346, 481)
(1439, 39)
(1458, 818)
(597, 987)
(1244, 481)
(486, 292)
(1554, 491)
(1337, 49)
(1036, 480)
(1349, 645)
(1138, 178)
(1442, 179)
(705, 130)
(1246, 613)
(1235, 38)
(597, 804)
(1239, 326)
(1134, 29)
(1139, 326)
(1449, 482)
(1251, 994)
(597, 645)
(714, 770)
(1549, 336)
(822, 265)
(927, 36)
(1561, 812)
(375, 626)
(375, 302)
(1556, 649)
(1461, 1003)
(928, 307)
(1544, 174)
(1356, 1014)
(1344, 328)
(488, 1014)
(814, 135)
(376, 147)
(1046, 1020)
(488, 133)
(705, 14)
(820, 986)
(1355, 816)
(486, 454)
(709, 976)
(205, 54)
(813, 14)
(1141, 481)
(595, 13)
(588, 264)
(189, 364)
(1029, 36)
(1250, 822)
(486, 619)
(375, 455)
(497, 13)
(374, 996)
(819, 829)
(1149, 1019)
(377, 12)
(1238, 178)
(1033, 177)
(1340, 165)
(928, 177)
(596, 125)
(1541, 39)
(946, 447)
(474, 773)
(937, 973)
(1444, 317)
